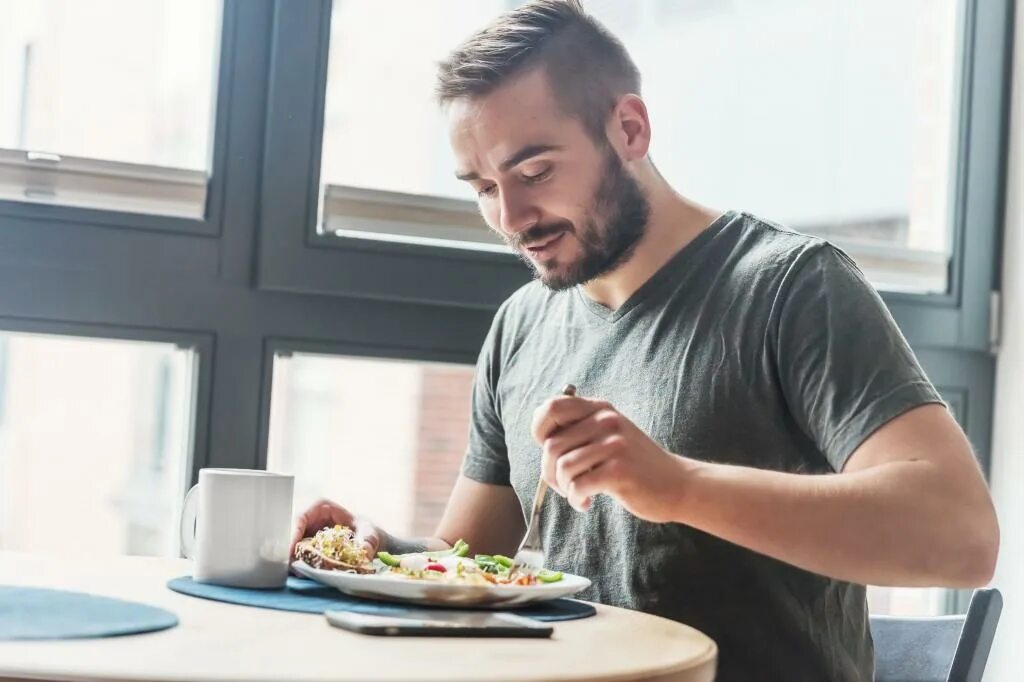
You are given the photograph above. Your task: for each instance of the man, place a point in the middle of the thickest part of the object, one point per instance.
(753, 440)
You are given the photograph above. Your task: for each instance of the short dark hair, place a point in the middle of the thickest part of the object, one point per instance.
(587, 67)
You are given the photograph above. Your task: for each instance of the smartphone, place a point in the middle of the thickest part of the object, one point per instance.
(422, 623)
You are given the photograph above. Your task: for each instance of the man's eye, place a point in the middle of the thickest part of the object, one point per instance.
(539, 177)
(487, 191)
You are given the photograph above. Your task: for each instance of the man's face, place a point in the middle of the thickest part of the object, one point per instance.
(566, 205)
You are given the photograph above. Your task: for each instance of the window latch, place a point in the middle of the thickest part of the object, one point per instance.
(995, 320)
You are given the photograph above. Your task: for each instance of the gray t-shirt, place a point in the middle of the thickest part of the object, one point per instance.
(753, 346)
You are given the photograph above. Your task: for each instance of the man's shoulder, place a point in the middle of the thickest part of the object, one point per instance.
(760, 251)
(765, 240)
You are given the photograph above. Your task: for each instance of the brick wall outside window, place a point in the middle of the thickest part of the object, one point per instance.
(441, 441)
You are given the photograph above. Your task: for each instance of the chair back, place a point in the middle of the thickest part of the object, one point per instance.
(937, 649)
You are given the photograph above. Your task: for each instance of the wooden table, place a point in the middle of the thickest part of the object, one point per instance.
(217, 642)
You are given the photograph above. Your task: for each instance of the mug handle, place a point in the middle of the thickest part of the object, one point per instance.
(188, 522)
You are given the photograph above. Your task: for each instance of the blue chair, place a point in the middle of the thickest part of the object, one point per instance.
(938, 649)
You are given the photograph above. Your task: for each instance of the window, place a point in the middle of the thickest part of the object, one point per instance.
(108, 104)
(384, 438)
(94, 440)
(831, 118)
(269, 276)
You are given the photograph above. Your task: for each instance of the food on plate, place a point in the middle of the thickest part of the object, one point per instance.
(453, 566)
(334, 549)
(337, 549)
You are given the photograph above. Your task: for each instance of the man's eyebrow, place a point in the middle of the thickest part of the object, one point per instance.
(523, 154)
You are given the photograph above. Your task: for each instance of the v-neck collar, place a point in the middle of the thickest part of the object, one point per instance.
(656, 281)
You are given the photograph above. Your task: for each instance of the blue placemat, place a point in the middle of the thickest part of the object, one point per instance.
(40, 613)
(309, 596)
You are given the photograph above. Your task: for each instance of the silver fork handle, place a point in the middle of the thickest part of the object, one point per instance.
(532, 536)
(538, 502)
(531, 539)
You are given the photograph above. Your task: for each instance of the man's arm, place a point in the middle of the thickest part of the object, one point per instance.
(910, 507)
(486, 516)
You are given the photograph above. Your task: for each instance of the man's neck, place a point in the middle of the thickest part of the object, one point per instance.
(673, 223)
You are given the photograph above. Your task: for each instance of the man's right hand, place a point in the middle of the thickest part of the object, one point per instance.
(326, 513)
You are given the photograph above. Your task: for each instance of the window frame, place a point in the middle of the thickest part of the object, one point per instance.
(298, 257)
(213, 212)
(962, 317)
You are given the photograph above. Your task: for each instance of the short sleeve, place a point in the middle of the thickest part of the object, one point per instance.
(844, 367)
(486, 458)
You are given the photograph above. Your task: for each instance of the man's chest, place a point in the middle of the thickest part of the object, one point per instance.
(687, 387)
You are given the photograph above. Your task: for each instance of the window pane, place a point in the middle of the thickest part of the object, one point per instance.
(389, 133)
(119, 80)
(124, 84)
(94, 439)
(384, 438)
(385, 136)
(833, 118)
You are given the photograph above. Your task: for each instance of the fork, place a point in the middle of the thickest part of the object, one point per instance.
(531, 553)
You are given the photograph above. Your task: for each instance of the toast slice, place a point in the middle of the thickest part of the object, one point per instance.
(312, 552)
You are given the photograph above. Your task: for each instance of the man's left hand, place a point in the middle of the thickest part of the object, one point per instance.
(589, 447)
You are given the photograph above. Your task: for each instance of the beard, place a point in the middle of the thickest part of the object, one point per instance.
(611, 230)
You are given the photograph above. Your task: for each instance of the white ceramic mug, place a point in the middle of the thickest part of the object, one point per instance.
(236, 527)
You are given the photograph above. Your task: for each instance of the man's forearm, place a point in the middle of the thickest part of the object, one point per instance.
(396, 545)
(896, 524)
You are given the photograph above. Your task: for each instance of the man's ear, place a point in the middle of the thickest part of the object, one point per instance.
(629, 128)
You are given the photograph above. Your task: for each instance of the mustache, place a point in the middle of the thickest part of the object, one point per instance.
(538, 233)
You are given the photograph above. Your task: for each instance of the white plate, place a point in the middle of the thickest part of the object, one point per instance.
(396, 588)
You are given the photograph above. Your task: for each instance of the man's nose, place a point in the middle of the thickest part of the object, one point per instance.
(517, 213)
